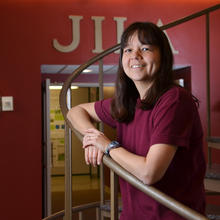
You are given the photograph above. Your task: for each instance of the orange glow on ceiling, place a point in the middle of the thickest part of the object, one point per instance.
(112, 1)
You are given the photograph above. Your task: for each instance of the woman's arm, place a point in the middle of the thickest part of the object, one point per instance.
(83, 116)
(149, 169)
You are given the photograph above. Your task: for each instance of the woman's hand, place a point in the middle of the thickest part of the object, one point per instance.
(96, 138)
(94, 143)
(93, 156)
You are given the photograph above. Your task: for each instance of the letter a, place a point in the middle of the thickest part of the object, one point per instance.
(159, 24)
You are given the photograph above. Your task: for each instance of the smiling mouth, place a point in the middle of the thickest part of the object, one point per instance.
(137, 66)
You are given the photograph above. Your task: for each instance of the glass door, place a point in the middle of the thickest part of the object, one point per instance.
(54, 150)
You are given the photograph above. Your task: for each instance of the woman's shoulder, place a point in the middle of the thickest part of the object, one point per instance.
(103, 110)
(175, 94)
(104, 103)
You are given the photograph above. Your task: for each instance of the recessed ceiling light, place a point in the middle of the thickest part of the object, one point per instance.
(74, 87)
(60, 87)
(87, 71)
(55, 87)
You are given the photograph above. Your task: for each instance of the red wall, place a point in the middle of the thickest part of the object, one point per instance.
(27, 30)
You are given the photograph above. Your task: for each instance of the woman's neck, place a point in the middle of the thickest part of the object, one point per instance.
(143, 88)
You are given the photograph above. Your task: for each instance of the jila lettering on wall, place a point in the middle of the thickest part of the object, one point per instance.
(98, 33)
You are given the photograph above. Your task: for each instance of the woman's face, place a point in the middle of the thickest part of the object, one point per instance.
(140, 61)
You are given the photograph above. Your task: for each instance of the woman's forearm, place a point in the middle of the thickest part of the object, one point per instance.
(131, 162)
(80, 119)
(149, 169)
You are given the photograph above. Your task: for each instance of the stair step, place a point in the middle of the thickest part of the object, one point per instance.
(213, 142)
(212, 178)
(213, 172)
(212, 185)
(106, 209)
(213, 212)
(213, 209)
(213, 217)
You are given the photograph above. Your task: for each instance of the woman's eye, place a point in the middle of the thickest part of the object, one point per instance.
(145, 48)
(127, 50)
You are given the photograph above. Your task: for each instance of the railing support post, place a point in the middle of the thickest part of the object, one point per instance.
(68, 167)
(208, 104)
(114, 195)
(101, 128)
(68, 175)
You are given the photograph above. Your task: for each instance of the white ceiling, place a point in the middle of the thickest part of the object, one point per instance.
(68, 69)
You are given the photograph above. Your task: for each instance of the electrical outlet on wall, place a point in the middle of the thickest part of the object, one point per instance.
(7, 103)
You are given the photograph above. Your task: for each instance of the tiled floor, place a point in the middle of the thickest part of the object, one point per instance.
(84, 191)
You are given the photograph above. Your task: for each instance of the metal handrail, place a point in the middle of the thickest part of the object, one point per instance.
(79, 208)
(78, 71)
(191, 17)
(149, 190)
(116, 47)
(75, 74)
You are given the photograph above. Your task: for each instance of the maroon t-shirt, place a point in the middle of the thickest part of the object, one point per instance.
(173, 120)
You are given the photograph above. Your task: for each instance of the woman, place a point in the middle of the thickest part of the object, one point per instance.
(159, 133)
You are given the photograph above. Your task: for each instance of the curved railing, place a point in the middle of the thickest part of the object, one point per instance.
(75, 209)
(78, 71)
(149, 190)
(75, 74)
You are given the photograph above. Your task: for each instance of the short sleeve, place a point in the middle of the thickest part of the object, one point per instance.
(102, 109)
(173, 117)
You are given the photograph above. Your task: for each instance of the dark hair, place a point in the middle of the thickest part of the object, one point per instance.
(124, 102)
